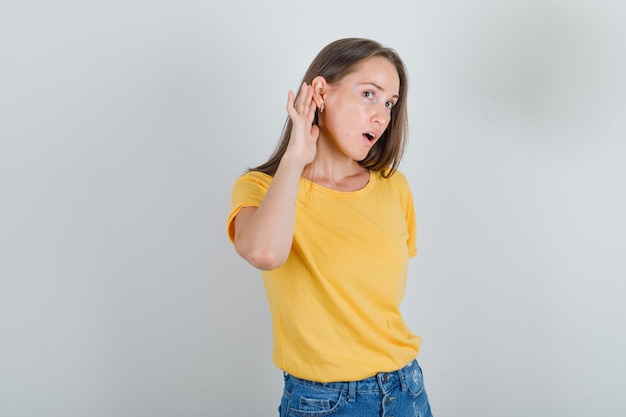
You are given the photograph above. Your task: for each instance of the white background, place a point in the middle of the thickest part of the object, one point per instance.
(123, 125)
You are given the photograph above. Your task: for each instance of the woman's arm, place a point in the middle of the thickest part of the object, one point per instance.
(264, 234)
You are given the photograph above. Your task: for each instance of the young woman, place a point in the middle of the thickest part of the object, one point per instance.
(330, 222)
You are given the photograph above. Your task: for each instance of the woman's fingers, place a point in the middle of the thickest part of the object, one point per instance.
(301, 98)
(290, 104)
(302, 111)
(304, 133)
(303, 104)
(312, 108)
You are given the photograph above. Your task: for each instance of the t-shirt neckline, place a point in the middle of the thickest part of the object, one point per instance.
(360, 191)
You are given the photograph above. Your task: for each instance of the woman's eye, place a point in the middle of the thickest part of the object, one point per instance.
(389, 105)
(368, 94)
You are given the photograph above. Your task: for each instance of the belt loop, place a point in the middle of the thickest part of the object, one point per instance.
(351, 391)
(402, 374)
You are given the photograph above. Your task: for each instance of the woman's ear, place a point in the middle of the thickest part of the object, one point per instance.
(320, 86)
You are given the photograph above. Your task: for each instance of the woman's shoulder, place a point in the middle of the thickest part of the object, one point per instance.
(256, 177)
(397, 178)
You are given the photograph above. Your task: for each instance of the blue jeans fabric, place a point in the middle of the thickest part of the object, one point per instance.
(389, 394)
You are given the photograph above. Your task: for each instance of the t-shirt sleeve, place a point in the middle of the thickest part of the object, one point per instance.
(248, 191)
(411, 224)
(408, 206)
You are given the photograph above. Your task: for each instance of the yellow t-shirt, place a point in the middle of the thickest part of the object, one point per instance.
(335, 303)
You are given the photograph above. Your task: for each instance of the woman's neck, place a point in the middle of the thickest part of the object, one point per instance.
(349, 176)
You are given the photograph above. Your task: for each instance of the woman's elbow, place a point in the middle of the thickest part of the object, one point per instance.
(261, 258)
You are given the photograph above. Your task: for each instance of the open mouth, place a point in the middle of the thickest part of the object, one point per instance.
(369, 136)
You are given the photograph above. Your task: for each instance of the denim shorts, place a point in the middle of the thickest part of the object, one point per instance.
(388, 394)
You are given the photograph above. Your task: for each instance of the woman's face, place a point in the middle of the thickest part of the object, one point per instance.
(358, 107)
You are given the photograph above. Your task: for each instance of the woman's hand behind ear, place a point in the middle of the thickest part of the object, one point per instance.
(304, 134)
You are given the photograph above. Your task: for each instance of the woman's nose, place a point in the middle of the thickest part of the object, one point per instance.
(381, 115)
